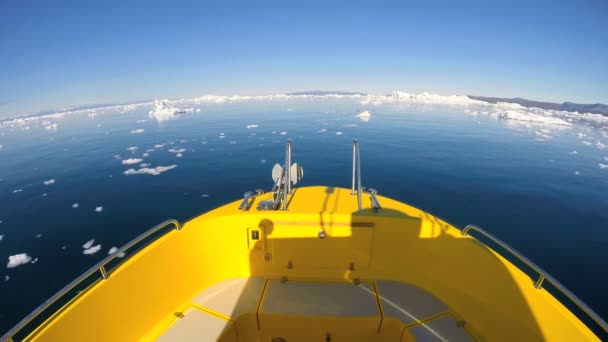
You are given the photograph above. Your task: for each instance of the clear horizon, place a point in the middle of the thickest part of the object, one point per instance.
(68, 55)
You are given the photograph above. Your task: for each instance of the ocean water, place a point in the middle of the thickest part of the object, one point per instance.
(520, 180)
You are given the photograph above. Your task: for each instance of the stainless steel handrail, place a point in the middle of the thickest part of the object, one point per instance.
(542, 275)
(99, 267)
(357, 173)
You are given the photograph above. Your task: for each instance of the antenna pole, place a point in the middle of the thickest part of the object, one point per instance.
(287, 172)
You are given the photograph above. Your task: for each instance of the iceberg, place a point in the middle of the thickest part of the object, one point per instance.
(88, 244)
(49, 182)
(137, 131)
(162, 110)
(252, 126)
(364, 116)
(150, 171)
(18, 260)
(98, 209)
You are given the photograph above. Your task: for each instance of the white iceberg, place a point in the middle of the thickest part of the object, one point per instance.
(18, 260)
(252, 126)
(132, 149)
(49, 182)
(603, 166)
(181, 150)
(179, 155)
(92, 250)
(338, 133)
(137, 131)
(75, 205)
(364, 116)
(150, 171)
(132, 161)
(283, 133)
(98, 209)
(163, 110)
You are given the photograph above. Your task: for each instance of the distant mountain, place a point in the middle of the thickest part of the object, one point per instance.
(596, 108)
(325, 92)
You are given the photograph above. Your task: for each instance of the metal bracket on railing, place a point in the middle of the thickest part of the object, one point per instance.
(248, 197)
(375, 204)
(542, 275)
(357, 181)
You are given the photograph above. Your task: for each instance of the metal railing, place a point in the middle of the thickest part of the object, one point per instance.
(99, 267)
(542, 275)
(357, 173)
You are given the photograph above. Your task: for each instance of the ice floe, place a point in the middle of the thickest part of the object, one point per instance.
(252, 126)
(586, 143)
(573, 152)
(144, 165)
(132, 161)
(51, 127)
(140, 121)
(137, 131)
(178, 155)
(113, 250)
(145, 155)
(600, 146)
(98, 209)
(339, 133)
(132, 149)
(17, 190)
(283, 133)
(1, 237)
(322, 130)
(18, 260)
(91, 250)
(364, 116)
(75, 205)
(603, 166)
(88, 244)
(577, 173)
(181, 150)
(49, 182)
(150, 171)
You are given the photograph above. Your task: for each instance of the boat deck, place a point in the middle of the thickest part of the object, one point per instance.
(267, 309)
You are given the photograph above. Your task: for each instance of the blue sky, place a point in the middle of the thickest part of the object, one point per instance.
(61, 54)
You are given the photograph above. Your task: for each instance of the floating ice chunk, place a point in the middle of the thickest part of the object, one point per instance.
(35, 260)
(75, 205)
(98, 209)
(252, 126)
(137, 131)
(18, 260)
(17, 190)
(600, 146)
(542, 134)
(603, 166)
(323, 130)
(198, 110)
(350, 125)
(181, 150)
(586, 143)
(577, 173)
(113, 250)
(140, 121)
(605, 158)
(132, 161)
(52, 127)
(132, 149)
(88, 244)
(145, 155)
(7, 278)
(1, 237)
(159, 145)
(179, 155)
(204, 195)
(38, 236)
(150, 171)
(283, 133)
(92, 250)
(531, 117)
(263, 161)
(144, 165)
(581, 135)
(49, 182)
(573, 152)
(364, 116)
(232, 142)
(338, 133)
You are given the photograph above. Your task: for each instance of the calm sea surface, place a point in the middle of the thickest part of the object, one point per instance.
(522, 182)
